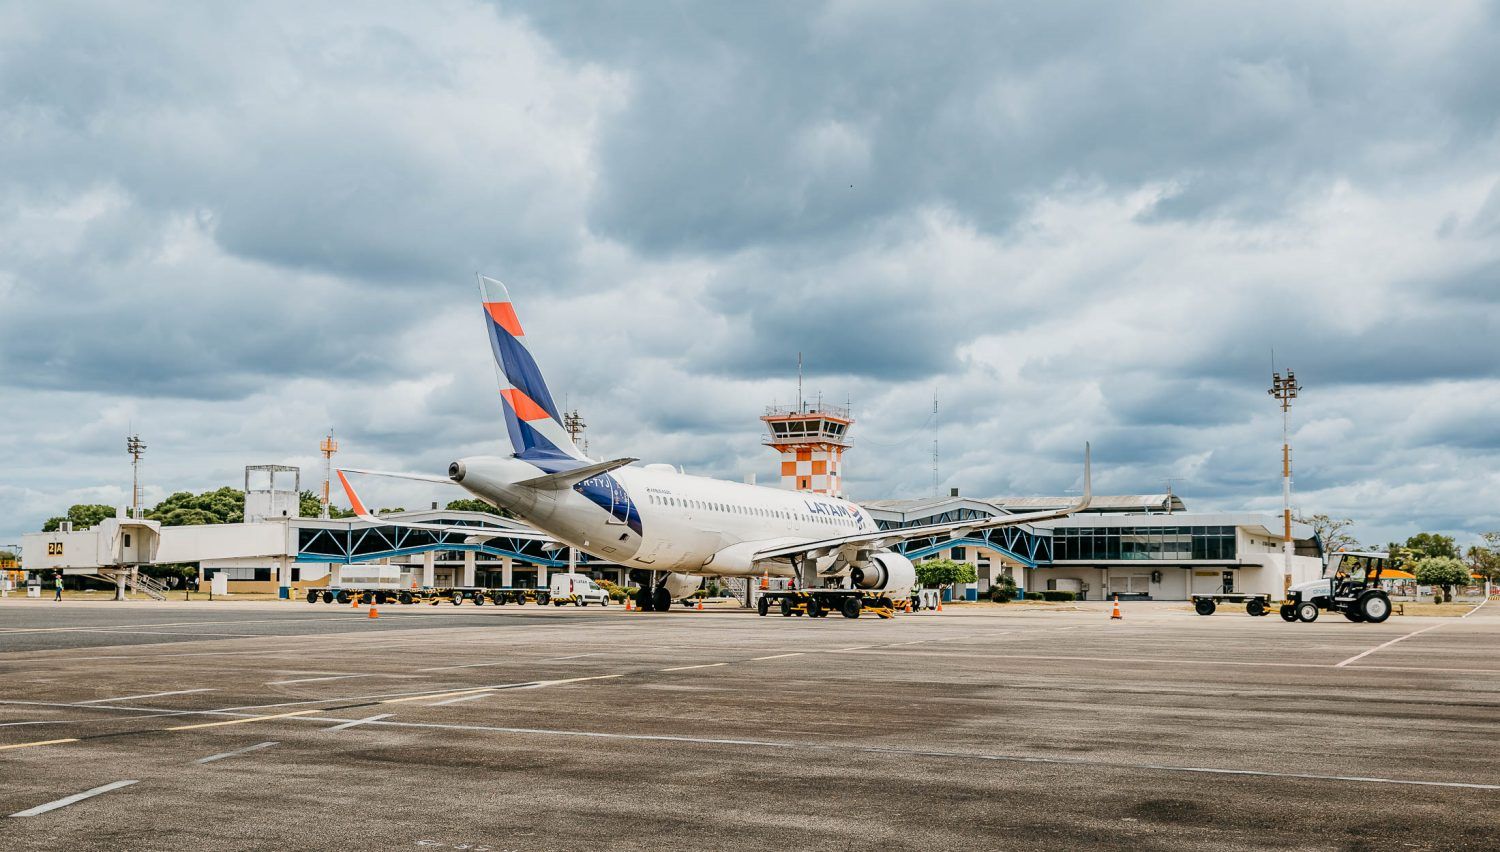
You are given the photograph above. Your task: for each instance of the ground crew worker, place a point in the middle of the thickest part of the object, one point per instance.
(57, 583)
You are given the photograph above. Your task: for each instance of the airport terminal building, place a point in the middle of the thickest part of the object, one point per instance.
(1145, 547)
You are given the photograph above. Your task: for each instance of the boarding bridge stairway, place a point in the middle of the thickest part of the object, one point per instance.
(136, 582)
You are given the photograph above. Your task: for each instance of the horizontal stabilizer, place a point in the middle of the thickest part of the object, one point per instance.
(568, 478)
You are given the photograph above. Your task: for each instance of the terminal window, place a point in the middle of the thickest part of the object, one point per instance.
(1144, 543)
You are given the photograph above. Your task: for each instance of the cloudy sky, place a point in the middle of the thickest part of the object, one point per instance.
(232, 227)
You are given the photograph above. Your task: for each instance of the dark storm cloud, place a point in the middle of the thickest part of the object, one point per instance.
(784, 123)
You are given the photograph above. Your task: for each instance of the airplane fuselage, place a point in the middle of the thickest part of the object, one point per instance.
(655, 518)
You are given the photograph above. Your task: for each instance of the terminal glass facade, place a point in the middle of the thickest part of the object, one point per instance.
(1146, 543)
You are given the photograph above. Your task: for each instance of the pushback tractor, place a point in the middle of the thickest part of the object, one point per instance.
(1350, 585)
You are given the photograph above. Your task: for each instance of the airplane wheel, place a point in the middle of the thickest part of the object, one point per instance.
(643, 599)
(662, 599)
(762, 607)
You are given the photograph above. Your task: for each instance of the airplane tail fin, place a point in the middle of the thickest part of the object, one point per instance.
(532, 419)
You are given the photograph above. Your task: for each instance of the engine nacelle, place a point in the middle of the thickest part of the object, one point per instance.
(890, 573)
(680, 586)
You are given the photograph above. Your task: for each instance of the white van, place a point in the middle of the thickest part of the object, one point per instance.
(578, 590)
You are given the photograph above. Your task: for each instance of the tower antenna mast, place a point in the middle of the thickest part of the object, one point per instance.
(327, 447)
(1285, 389)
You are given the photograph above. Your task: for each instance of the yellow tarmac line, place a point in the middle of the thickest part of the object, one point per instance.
(38, 743)
(244, 721)
(685, 668)
(775, 657)
(430, 696)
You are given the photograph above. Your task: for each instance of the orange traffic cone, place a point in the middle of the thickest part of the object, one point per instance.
(629, 603)
(940, 603)
(354, 602)
(373, 613)
(765, 581)
(1116, 614)
(700, 603)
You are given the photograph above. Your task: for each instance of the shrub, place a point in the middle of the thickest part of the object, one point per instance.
(1003, 590)
(1053, 595)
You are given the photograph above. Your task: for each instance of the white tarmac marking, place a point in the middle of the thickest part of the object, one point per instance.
(315, 679)
(775, 657)
(1475, 609)
(960, 755)
(73, 799)
(464, 666)
(1386, 645)
(245, 750)
(573, 657)
(685, 668)
(366, 720)
(463, 698)
(145, 695)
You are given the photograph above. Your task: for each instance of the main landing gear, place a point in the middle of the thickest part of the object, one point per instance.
(652, 596)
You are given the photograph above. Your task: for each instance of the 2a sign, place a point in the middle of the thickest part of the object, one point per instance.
(54, 548)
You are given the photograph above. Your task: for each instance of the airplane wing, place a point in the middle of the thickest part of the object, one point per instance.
(500, 527)
(881, 539)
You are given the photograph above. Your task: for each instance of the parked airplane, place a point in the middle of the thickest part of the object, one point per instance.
(671, 528)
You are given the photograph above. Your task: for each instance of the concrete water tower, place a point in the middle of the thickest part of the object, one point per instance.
(811, 438)
(270, 501)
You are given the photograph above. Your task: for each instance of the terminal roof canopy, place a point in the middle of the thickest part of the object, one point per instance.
(1013, 505)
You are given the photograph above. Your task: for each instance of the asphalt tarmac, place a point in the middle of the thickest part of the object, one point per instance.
(295, 726)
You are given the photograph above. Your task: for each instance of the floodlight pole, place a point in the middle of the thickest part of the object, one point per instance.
(136, 449)
(1284, 389)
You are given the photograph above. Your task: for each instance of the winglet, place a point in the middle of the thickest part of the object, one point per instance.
(354, 501)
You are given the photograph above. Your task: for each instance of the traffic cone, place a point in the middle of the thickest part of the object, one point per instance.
(700, 604)
(373, 613)
(629, 603)
(354, 602)
(765, 581)
(1116, 614)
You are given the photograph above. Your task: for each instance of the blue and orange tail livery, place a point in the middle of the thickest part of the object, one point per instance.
(531, 416)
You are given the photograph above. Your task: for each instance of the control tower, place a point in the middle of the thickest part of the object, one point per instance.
(811, 438)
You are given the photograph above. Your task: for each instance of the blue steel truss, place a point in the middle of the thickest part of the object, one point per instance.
(1018, 543)
(366, 544)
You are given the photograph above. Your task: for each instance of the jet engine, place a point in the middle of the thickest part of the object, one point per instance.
(885, 572)
(680, 586)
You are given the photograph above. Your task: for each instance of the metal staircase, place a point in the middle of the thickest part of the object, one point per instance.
(139, 583)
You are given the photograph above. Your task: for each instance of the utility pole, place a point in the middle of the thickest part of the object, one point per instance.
(573, 423)
(936, 481)
(1284, 389)
(136, 449)
(328, 446)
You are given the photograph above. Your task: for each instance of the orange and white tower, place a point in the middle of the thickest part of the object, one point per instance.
(811, 439)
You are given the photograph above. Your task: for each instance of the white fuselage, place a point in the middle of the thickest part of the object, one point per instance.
(658, 519)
